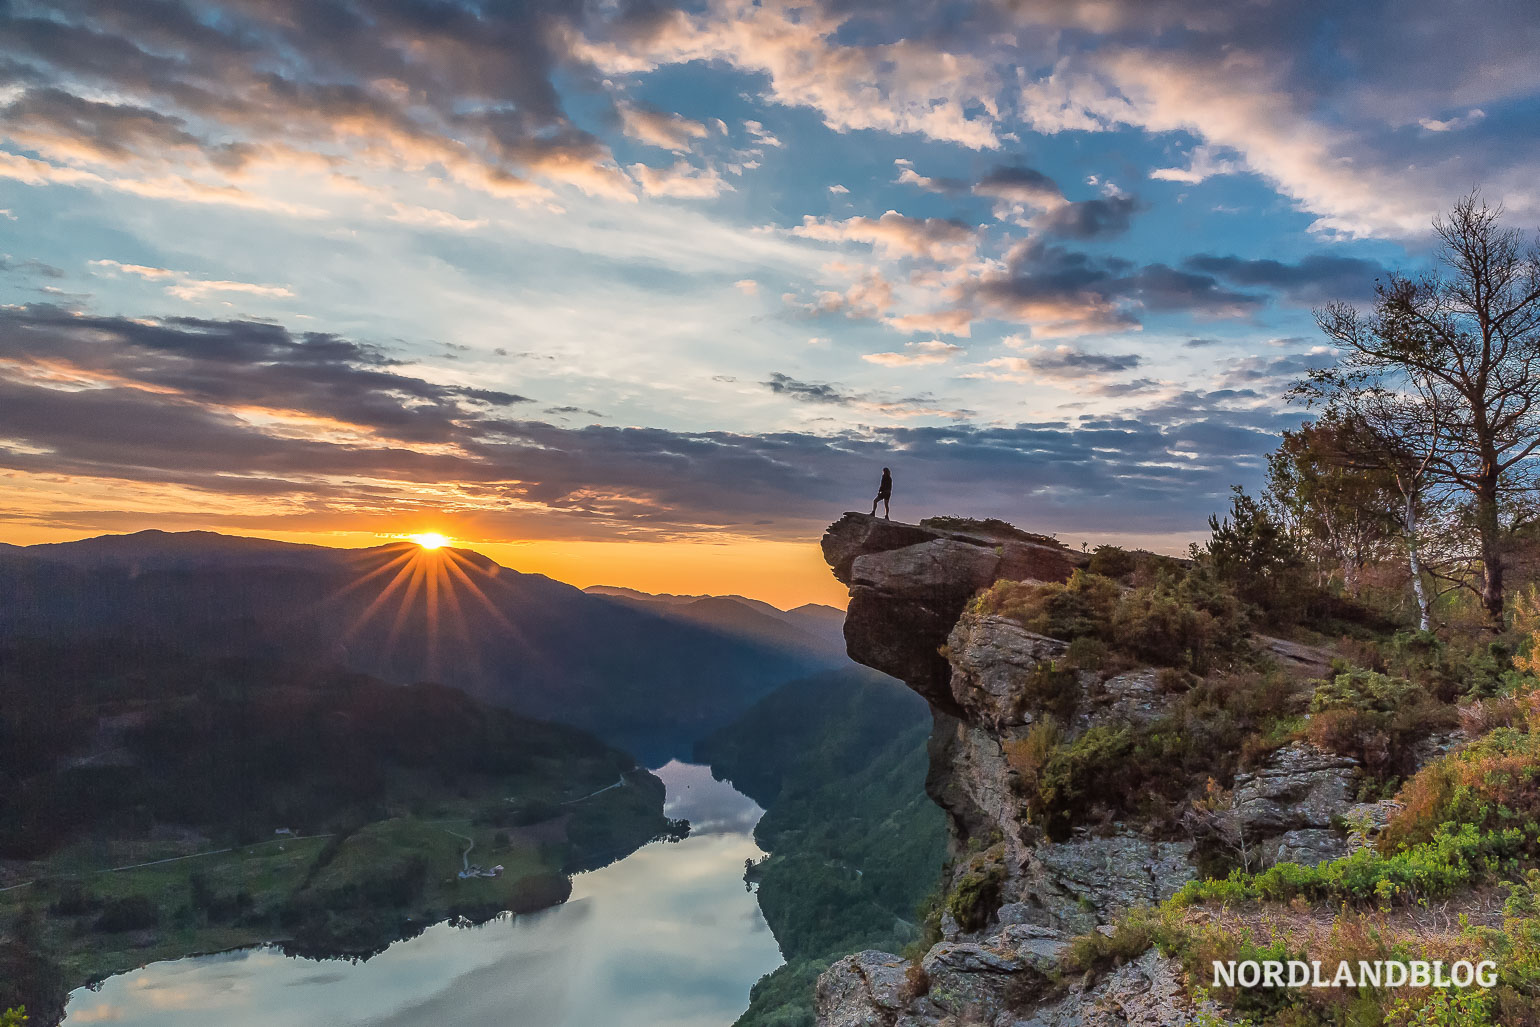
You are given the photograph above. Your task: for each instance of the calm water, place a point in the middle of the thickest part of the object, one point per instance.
(667, 936)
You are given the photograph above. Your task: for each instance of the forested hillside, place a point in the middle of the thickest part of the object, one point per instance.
(839, 763)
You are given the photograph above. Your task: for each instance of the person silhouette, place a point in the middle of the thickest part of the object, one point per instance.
(884, 493)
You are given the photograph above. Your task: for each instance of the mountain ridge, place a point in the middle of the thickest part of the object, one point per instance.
(644, 681)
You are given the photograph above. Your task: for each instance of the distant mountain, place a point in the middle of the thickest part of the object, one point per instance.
(813, 628)
(634, 673)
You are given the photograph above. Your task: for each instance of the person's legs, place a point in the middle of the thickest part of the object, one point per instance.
(887, 514)
(874, 506)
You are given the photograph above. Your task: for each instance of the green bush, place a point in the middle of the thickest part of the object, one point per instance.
(131, 913)
(1375, 718)
(1454, 858)
(1081, 607)
(1190, 621)
(1050, 689)
(976, 892)
(1151, 767)
(1087, 654)
(1112, 562)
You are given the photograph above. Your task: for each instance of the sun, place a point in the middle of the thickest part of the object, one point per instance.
(430, 539)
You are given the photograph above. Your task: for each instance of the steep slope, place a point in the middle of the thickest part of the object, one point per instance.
(838, 760)
(1136, 788)
(1011, 897)
(645, 681)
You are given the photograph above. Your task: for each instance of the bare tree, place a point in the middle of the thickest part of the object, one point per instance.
(1465, 341)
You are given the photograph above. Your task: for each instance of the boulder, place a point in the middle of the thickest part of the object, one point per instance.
(971, 981)
(1300, 786)
(991, 656)
(1146, 992)
(1031, 561)
(939, 571)
(1078, 884)
(857, 534)
(868, 989)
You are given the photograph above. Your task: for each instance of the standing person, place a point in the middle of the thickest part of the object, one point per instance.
(884, 493)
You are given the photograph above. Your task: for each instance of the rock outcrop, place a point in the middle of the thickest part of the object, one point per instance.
(909, 583)
(910, 616)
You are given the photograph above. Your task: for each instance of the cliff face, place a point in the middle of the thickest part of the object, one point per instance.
(1016, 894)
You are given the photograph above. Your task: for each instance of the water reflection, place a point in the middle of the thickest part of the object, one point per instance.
(666, 936)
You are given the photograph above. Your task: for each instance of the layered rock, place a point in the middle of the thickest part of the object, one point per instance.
(910, 616)
(909, 583)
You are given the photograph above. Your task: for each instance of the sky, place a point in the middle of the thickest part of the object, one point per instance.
(639, 293)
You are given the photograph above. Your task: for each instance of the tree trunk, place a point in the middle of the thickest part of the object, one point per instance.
(1489, 530)
(1414, 561)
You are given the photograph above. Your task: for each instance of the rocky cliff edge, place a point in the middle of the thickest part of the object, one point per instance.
(1016, 896)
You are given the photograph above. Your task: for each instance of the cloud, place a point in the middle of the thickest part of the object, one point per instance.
(916, 354)
(680, 181)
(762, 135)
(1067, 360)
(10, 265)
(908, 176)
(838, 189)
(1453, 124)
(185, 286)
(658, 128)
(813, 55)
(243, 423)
(895, 236)
(824, 393)
(1021, 185)
(1062, 293)
(1327, 137)
(1203, 163)
(1317, 278)
(147, 92)
(958, 322)
(428, 217)
(869, 297)
(1090, 219)
(807, 392)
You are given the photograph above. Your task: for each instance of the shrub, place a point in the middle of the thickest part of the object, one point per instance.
(1087, 654)
(1452, 859)
(1112, 562)
(1048, 689)
(1191, 621)
(1490, 783)
(976, 893)
(1078, 608)
(1151, 766)
(1095, 952)
(1027, 754)
(131, 913)
(1477, 667)
(916, 982)
(1375, 718)
(1092, 770)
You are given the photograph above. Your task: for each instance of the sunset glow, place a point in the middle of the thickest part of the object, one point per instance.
(559, 283)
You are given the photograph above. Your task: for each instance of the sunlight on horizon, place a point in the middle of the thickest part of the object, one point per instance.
(429, 539)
